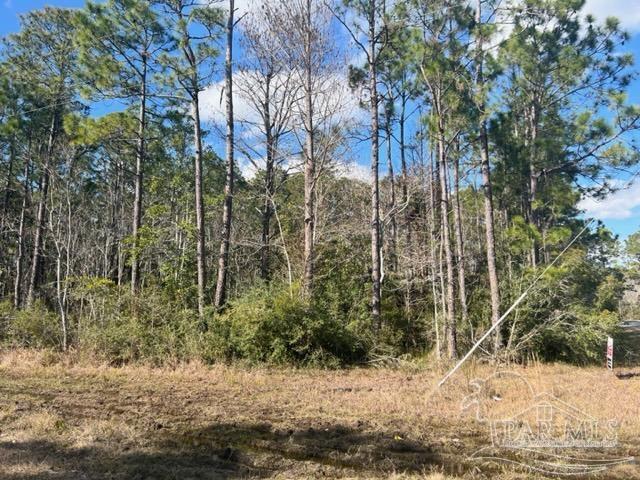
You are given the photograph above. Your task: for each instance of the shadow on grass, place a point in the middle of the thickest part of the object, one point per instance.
(226, 451)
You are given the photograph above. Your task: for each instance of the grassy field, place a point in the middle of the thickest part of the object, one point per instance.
(61, 419)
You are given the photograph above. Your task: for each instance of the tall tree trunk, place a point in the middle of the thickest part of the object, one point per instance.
(61, 306)
(393, 259)
(113, 235)
(267, 212)
(531, 195)
(457, 214)
(403, 166)
(137, 201)
(436, 273)
(42, 206)
(533, 180)
(487, 190)
(309, 162)
(223, 260)
(408, 297)
(56, 230)
(451, 331)
(409, 273)
(4, 234)
(375, 190)
(17, 286)
(67, 273)
(200, 238)
(7, 188)
(443, 295)
(121, 226)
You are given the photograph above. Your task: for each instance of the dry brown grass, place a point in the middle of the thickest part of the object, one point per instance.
(63, 417)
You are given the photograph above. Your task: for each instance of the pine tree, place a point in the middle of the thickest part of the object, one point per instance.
(40, 57)
(189, 57)
(119, 42)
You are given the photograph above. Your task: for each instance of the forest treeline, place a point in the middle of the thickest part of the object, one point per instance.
(143, 217)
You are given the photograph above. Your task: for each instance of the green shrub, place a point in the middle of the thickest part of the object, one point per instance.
(149, 328)
(34, 326)
(274, 325)
(580, 338)
(6, 314)
(570, 312)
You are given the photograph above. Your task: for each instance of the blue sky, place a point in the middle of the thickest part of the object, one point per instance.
(620, 212)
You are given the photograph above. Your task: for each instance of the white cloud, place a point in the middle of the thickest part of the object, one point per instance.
(627, 11)
(241, 6)
(335, 103)
(355, 171)
(352, 170)
(244, 6)
(617, 206)
(247, 169)
(212, 105)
